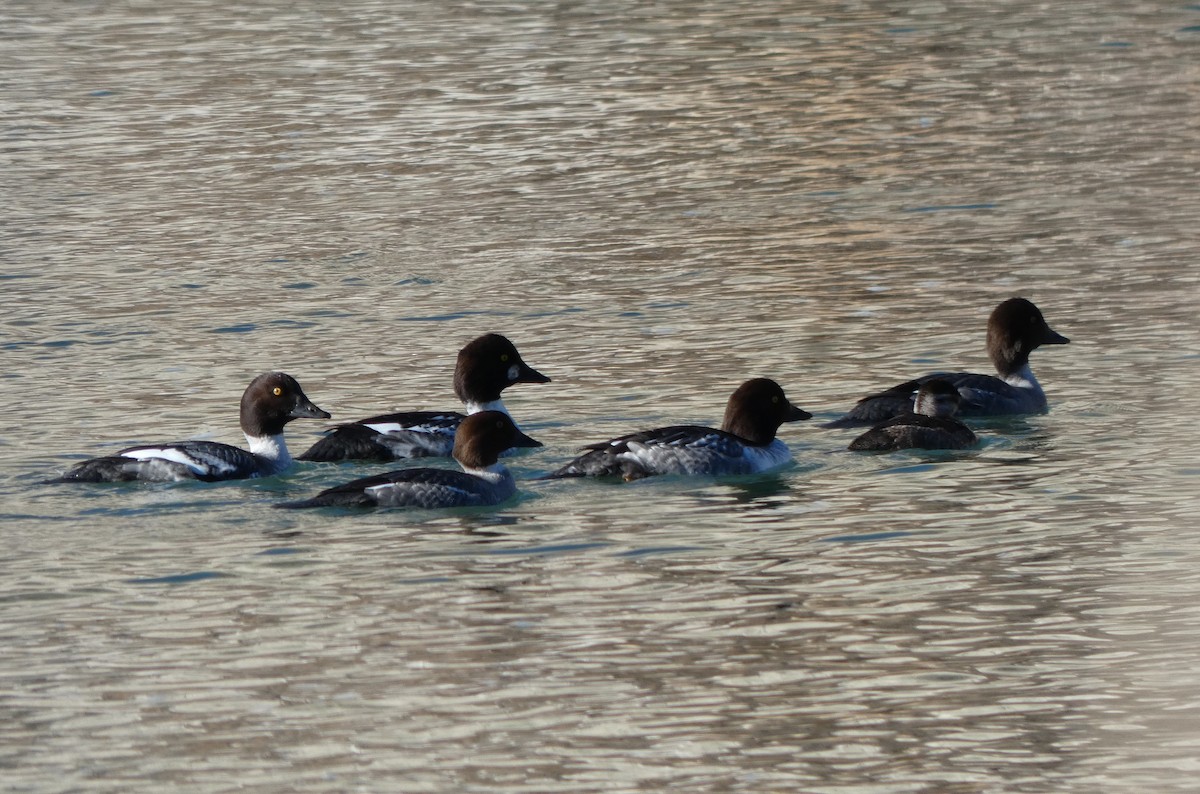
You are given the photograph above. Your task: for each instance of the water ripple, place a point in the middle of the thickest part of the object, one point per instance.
(655, 201)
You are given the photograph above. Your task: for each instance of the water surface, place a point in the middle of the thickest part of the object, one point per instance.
(655, 202)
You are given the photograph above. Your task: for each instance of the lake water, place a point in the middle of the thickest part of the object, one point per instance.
(655, 201)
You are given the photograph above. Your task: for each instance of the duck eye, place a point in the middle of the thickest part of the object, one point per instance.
(775, 400)
(504, 358)
(277, 391)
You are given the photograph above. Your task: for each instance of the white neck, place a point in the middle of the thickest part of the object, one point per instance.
(495, 405)
(495, 473)
(774, 454)
(1023, 379)
(272, 448)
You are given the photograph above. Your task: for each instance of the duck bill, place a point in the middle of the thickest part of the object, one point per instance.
(306, 410)
(796, 414)
(1052, 337)
(523, 440)
(527, 374)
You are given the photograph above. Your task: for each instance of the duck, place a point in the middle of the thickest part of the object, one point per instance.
(1015, 329)
(930, 425)
(486, 366)
(270, 401)
(483, 481)
(746, 442)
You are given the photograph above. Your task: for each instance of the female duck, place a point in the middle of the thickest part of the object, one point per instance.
(930, 425)
(1015, 329)
(486, 366)
(480, 440)
(745, 444)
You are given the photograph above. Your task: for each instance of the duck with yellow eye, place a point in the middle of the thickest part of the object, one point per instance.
(486, 366)
(270, 401)
(745, 443)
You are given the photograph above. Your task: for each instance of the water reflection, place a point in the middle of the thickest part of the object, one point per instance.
(664, 201)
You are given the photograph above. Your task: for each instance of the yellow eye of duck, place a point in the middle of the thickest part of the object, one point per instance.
(775, 400)
(504, 358)
(277, 391)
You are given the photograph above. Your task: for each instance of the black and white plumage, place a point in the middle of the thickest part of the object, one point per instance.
(270, 401)
(930, 425)
(480, 440)
(1015, 329)
(486, 366)
(745, 444)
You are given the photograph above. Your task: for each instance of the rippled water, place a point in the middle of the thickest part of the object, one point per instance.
(655, 201)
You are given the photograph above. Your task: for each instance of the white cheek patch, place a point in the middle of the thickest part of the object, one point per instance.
(513, 372)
